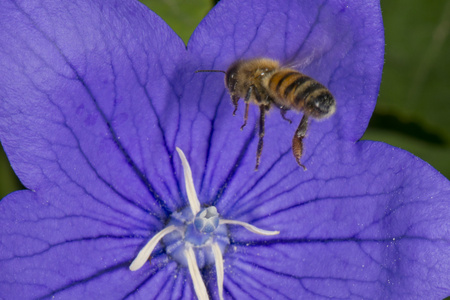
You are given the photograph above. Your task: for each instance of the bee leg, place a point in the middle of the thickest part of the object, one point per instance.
(235, 100)
(247, 104)
(283, 115)
(297, 141)
(262, 110)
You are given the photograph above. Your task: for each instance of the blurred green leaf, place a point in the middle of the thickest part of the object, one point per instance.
(8, 180)
(182, 16)
(415, 88)
(437, 156)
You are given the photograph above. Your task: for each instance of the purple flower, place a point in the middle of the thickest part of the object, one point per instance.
(95, 96)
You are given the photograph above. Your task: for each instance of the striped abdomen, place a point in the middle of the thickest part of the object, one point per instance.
(293, 90)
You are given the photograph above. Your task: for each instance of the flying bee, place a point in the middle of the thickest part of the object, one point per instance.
(266, 83)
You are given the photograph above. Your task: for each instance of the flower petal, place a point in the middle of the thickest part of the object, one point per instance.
(46, 251)
(338, 43)
(86, 84)
(374, 222)
(359, 223)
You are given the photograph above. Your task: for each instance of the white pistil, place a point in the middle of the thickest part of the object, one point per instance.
(145, 252)
(199, 285)
(190, 189)
(249, 227)
(219, 267)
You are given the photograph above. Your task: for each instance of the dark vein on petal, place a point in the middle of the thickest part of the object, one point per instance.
(66, 242)
(177, 97)
(251, 40)
(136, 289)
(184, 286)
(311, 202)
(113, 268)
(226, 291)
(224, 185)
(77, 216)
(263, 175)
(176, 285)
(158, 121)
(121, 265)
(252, 276)
(122, 149)
(169, 279)
(371, 257)
(107, 184)
(268, 171)
(110, 186)
(250, 296)
(115, 138)
(302, 278)
(352, 239)
(144, 282)
(210, 136)
(316, 21)
(257, 199)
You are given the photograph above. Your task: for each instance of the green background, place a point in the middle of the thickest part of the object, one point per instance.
(413, 109)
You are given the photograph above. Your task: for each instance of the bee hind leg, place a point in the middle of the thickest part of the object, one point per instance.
(247, 104)
(262, 110)
(297, 141)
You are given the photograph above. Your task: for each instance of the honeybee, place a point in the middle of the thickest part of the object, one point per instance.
(266, 83)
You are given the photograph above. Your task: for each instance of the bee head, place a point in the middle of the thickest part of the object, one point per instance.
(231, 76)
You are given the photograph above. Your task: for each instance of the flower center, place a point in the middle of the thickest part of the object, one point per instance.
(199, 233)
(195, 237)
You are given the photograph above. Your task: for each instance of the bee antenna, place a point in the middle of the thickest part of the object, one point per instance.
(211, 71)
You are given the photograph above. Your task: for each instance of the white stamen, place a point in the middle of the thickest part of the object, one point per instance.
(249, 227)
(199, 285)
(145, 252)
(219, 267)
(190, 189)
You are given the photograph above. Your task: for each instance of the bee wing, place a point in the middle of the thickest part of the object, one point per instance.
(302, 62)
